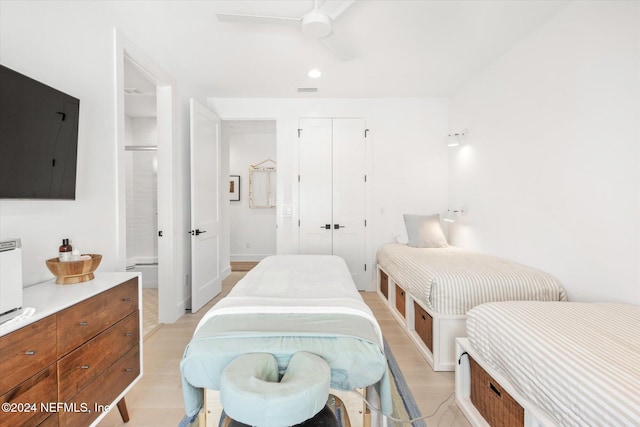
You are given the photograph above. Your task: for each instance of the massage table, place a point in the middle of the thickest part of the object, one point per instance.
(285, 306)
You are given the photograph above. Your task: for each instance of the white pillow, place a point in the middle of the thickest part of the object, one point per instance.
(401, 238)
(424, 231)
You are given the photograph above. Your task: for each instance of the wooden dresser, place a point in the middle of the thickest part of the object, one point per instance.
(76, 357)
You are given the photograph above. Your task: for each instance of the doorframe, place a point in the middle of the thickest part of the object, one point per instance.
(225, 169)
(166, 104)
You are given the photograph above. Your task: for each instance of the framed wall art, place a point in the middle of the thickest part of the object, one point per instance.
(234, 188)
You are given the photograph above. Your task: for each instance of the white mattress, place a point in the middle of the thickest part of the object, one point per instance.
(308, 284)
(452, 281)
(578, 362)
(288, 304)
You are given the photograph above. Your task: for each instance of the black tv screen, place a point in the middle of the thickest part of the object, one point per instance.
(38, 139)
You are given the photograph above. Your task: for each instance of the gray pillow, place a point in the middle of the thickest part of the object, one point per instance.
(424, 231)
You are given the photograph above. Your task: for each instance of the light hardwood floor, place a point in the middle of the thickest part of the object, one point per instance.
(157, 399)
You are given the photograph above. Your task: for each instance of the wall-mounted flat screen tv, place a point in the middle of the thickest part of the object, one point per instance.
(38, 139)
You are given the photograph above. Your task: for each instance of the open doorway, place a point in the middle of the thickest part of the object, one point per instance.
(141, 168)
(252, 169)
(158, 163)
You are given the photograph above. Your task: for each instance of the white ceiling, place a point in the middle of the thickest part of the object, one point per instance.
(403, 48)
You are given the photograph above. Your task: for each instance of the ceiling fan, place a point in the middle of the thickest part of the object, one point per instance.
(317, 23)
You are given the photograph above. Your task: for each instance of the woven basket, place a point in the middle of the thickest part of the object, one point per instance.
(497, 406)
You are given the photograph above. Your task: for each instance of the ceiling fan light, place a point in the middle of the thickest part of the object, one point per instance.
(315, 24)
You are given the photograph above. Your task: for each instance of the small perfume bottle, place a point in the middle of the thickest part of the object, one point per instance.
(65, 251)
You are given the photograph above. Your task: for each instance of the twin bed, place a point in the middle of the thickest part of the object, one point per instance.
(550, 364)
(430, 290)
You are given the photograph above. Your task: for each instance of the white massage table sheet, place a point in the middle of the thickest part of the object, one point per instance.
(578, 362)
(284, 305)
(452, 281)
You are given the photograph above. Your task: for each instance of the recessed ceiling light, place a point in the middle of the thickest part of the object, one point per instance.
(315, 73)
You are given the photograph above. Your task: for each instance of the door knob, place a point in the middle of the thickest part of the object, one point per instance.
(326, 226)
(198, 232)
(336, 226)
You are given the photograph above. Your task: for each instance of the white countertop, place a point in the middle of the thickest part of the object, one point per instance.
(48, 298)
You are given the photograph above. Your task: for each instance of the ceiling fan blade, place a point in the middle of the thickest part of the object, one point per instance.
(256, 19)
(337, 46)
(334, 8)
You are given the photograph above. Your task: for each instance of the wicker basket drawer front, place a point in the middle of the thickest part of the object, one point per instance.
(400, 300)
(81, 366)
(86, 319)
(27, 351)
(103, 390)
(497, 406)
(25, 400)
(384, 284)
(423, 325)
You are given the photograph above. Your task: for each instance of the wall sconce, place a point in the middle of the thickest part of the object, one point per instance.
(456, 139)
(452, 215)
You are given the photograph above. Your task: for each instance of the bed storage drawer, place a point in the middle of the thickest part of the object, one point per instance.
(423, 325)
(497, 406)
(400, 300)
(384, 284)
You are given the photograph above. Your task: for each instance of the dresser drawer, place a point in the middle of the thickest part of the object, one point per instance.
(81, 366)
(103, 390)
(27, 351)
(52, 421)
(25, 400)
(86, 319)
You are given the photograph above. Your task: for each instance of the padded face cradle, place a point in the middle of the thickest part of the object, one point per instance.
(251, 394)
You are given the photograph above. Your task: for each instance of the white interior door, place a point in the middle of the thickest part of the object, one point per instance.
(205, 206)
(315, 187)
(333, 191)
(349, 196)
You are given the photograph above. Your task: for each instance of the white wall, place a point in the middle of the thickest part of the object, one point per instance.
(409, 163)
(252, 231)
(41, 41)
(70, 46)
(551, 176)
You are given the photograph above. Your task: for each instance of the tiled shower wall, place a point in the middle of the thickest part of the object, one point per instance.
(142, 194)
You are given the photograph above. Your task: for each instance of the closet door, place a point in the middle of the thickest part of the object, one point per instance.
(332, 192)
(349, 195)
(315, 187)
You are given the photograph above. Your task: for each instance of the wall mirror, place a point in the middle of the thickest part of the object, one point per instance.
(262, 184)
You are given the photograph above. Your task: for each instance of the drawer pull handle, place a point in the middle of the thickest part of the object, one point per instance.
(495, 390)
(128, 334)
(128, 370)
(30, 353)
(84, 367)
(128, 299)
(84, 323)
(424, 318)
